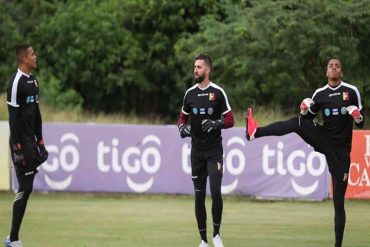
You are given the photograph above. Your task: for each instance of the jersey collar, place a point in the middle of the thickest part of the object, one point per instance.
(210, 83)
(335, 88)
(27, 75)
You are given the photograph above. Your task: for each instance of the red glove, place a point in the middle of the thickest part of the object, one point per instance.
(355, 113)
(305, 105)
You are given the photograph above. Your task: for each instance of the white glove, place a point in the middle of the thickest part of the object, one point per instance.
(355, 113)
(305, 105)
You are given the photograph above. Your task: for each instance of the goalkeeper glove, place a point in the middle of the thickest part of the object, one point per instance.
(355, 113)
(305, 105)
(208, 125)
(184, 130)
(44, 154)
(18, 156)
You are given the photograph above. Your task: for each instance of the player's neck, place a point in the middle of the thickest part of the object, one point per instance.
(25, 69)
(334, 83)
(204, 83)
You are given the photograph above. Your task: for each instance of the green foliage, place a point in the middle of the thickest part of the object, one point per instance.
(137, 56)
(53, 93)
(18, 20)
(275, 52)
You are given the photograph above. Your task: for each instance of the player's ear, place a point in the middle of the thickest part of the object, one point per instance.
(208, 70)
(25, 58)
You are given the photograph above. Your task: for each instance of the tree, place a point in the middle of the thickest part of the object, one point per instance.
(271, 50)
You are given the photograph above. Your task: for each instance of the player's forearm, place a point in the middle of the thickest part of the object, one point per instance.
(228, 120)
(309, 115)
(182, 119)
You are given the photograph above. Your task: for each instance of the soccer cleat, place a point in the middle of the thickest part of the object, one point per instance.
(7, 243)
(203, 244)
(250, 125)
(217, 241)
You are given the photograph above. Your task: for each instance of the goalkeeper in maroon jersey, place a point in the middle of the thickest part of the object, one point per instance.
(208, 108)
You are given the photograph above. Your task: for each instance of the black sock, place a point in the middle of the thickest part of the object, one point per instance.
(339, 191)
(201, 214)
(216, 229)
(217, 203)
(279, 128)
(203, 234)
(20, 204)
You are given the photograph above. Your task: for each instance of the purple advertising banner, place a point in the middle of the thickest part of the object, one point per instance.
(154, 159)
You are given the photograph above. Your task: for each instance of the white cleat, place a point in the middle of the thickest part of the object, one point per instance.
(217, 241)
(7, 243)
(203, 244)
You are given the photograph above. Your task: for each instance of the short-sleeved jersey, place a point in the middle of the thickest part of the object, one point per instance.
(23, 90)
(206, 103)
(22, 97)
(332, 103)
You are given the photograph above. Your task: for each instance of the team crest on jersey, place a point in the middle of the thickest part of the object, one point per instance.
(219, 166)
(212, 96)
(345, 96)
(210, 111)
(327, 112)
(195, 111)
(343, 110)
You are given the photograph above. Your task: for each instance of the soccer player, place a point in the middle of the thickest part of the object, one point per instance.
(340, 106)
(26, 142)
(208, 108)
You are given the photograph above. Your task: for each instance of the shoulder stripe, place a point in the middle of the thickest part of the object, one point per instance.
(186, 113)
(187, 91)
(13, 97)
(354, 88)
(223, 92)
(319, 90)
(314, 94)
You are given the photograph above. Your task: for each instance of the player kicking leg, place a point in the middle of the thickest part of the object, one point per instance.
(315, 135)
(311, 132)
(340, 106)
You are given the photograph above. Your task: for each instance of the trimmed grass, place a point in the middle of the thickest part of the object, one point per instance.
(72, 219)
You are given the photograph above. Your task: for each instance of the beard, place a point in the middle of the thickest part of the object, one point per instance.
(199, 79)
(334, 75)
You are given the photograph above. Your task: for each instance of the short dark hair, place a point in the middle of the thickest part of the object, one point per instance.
(21, 51)
(205, 58)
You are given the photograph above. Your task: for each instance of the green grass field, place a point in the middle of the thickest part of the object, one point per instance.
(143, 220)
